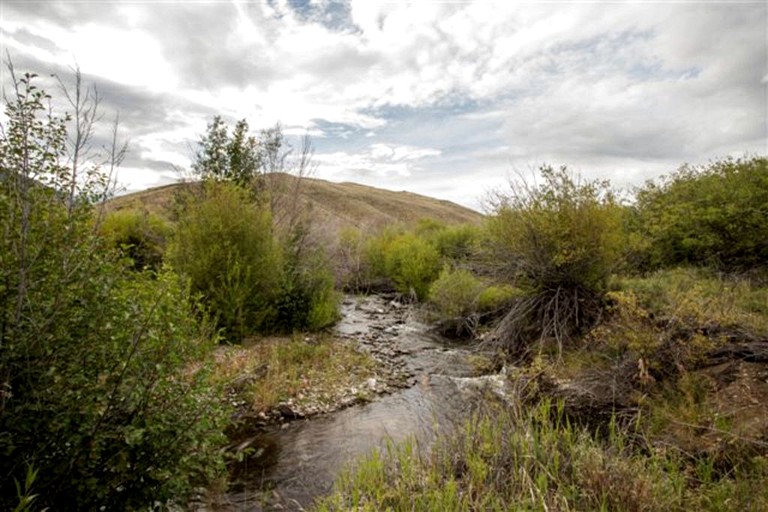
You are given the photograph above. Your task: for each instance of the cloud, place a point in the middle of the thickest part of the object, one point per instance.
(422, 94)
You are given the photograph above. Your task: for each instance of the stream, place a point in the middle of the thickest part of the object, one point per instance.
(295, 462)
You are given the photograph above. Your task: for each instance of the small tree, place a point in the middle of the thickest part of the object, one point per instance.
(222, 157)
(98, 394)
(559, 243)
(265, 272)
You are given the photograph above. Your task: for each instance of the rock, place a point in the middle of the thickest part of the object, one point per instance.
(371, 383)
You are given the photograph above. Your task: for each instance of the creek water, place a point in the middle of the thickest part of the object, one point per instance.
(293, 463)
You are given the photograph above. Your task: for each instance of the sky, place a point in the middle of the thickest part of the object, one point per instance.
(449, 99)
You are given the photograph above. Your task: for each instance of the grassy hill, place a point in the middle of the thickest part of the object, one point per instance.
(333, 206)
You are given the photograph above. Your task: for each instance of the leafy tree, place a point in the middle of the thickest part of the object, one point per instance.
(244, 242)
(711, 215)
(98, 397)
(236, 158)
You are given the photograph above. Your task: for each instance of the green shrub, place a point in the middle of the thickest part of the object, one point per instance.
(558, 242)
(455, 293)
(140, 236)
(497, 297)
(454, 296)
(103, 381)
(710, 215)
(376, 253)
(456, 243)
(412, 263)
(307, 297)
(224, 245)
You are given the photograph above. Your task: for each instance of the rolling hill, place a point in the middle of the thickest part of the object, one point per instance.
(334, 206)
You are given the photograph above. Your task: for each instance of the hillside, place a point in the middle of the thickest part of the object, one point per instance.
(332, 205)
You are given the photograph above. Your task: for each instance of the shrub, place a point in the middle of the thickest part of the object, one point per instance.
(559, 243)
(454, 296)
(376, 254)
(412, 263)
(224, 245)
(96, 388)
(497, 297)
(307, 298)
(140, 236)
(710, 215)
(456, 243)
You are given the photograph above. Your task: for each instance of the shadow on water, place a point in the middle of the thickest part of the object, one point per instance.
(289, 465)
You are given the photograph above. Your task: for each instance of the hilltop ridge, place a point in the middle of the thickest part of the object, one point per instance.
(335, 206)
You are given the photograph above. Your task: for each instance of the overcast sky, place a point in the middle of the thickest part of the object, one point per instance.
(443, 98)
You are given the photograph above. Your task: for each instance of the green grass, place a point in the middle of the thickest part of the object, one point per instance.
(505, 459)
(699, 297)
(681, 444)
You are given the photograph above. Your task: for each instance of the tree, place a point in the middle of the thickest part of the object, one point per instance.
(239, 158)
(246, 242)
(103, 388)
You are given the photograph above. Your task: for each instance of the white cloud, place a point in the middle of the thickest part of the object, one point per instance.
(611, 88)
(376, 161)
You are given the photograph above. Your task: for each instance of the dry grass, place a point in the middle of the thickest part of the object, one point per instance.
(332, 205)
(307, 373)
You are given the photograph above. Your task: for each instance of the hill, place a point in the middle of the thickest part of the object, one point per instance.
(333, 206)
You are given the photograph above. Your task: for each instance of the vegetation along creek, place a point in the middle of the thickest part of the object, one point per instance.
(253, 338)
(289, 464)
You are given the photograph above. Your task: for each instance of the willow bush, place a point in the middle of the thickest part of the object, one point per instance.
(712, 215)
(224, 245)
(558, 242)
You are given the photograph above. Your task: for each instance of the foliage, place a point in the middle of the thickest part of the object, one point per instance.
(307, 298)
(455, 292)
(412, 263)
(234, 158)
(141, 237)
(495, 298)
(454, 296)
(224, 245)
(94, 389)
(559, 243)
(709, 215)
(244, 238)
(455, 243)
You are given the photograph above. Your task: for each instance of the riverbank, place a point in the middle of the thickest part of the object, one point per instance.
(659, 407)
(274, 380)
(423, 384)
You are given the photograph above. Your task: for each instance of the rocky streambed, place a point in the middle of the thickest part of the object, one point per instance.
(425, 383)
